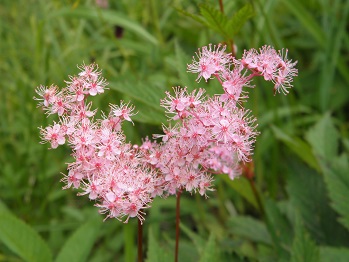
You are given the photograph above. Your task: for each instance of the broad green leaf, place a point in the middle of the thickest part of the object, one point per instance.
(109, 16)
(323, 138)
(333, 254)
(79, 244)
(239, 19)
(148, 95)
(147, 114)
(241, 186)
(22, 239)
(303, 247)
(210, 252)
(298, 146)
(282, 112)
(187, 79)
(249, 228)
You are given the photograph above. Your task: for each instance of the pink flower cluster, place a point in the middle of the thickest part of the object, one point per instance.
(106, 168)
(234, 73)
(211, 136)
(207, 135)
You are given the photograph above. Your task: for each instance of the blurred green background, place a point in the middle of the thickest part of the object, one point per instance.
(295, 207)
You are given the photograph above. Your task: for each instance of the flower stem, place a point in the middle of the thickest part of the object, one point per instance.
(178, 198)
(221, 7)
(140, 242)
(257, 196)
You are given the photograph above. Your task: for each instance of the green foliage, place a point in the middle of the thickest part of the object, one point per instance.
(78, 246)
(297, 208)
(219, 22)
(303, 248)
(22, 239)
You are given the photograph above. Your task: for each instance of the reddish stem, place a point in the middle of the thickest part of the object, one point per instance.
(140, 241)
(178, 197)
(221, 6)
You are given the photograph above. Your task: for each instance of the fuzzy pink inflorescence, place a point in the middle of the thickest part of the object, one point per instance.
(208, 134)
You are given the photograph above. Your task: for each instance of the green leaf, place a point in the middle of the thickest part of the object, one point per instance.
(279, 228)
(337, 181)
(210, 252)
(241, 186)
(110, 16)
(220, 23)
(148, 95)
(334, 254)
(298, 146)
(308, 197)
(239, 19)
(323, 138)
(155, 252)
(182, 60)
(195, 17)
(309, 22)
(249, 228)
(129, 241)
(303, 247)
(79, 244)
(198, 241)
(332, 52)
(307, 19)
(22, 239)
(215, 19)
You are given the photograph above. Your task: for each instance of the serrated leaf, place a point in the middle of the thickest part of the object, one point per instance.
(298, 146)
(337, 181)
(323, 138)
(193, 16)
(239, 19)
(307, 194)
(109, 16)
(303, 247)
(22, 239)
(334, 254)
(210, 251)
(79, 244)
(215, 19)
(279, 229)
(249, 228)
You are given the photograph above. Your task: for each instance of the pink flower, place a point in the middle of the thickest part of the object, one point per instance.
(210, 61)
(54, 135)
(47, 95)
(124, 111)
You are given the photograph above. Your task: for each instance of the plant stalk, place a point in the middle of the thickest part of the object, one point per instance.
(178, 198)
(140, 241)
